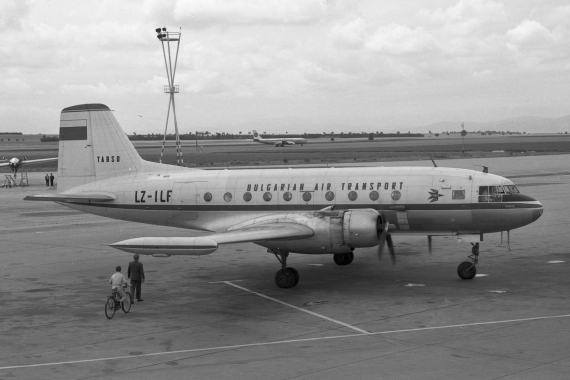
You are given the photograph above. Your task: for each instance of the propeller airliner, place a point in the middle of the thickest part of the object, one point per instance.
(333, 211)
(15, 163)
(278, 142)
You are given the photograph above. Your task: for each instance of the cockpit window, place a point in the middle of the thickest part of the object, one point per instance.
(511, 189)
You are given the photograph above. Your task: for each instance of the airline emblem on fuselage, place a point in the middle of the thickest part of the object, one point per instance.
(434, 195)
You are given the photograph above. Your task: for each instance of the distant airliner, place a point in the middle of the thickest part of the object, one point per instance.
(15, 163)
(296, 210)
(278, 142)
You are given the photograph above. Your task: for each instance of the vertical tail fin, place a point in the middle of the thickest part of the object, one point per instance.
(255, 135)
(92, 146)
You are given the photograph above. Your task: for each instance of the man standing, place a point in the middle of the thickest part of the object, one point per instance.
(51, 177)
(136, 275)
(47, 179)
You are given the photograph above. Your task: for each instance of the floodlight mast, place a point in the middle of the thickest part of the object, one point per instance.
(165, 36)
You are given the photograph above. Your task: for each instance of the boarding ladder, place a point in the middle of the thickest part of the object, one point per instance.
(9, 181)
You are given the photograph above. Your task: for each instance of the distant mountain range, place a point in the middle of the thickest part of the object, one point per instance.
(528, 124)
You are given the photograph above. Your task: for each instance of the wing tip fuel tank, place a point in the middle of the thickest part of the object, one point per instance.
(184, 246)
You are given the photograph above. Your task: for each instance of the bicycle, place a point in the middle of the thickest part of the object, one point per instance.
(113, 303)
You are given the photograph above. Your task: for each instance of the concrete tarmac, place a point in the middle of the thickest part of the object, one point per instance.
(221, 316)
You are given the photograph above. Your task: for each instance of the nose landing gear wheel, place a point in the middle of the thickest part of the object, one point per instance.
(466, 270)
(286, 278)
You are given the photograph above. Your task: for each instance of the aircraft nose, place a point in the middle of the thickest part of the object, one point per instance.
(537, 212)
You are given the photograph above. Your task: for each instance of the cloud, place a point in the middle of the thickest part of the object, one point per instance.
(11, 13)
(198, 13)
(530, 33)
(400, 39)
(350, 34)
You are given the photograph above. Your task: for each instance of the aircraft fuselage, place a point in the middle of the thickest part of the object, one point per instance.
(411, 199)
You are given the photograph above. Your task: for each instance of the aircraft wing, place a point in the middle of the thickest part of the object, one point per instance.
(81, 198)
(38, 160)
(203, 245)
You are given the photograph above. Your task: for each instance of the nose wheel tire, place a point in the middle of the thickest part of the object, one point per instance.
(466, 270)
(287, 278)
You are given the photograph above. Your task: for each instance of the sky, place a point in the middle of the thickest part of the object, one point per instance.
(297, 65)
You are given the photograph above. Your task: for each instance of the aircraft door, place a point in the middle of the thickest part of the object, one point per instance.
(185, 200)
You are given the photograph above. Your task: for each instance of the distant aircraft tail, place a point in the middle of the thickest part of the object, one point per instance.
(256, 136)
(92, 146)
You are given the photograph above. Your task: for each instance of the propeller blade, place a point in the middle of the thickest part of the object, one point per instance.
(380, 250)
(391, 248)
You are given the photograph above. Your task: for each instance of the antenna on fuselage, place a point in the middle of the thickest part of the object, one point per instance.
(430, 157)
(164, 36)
(485, 168)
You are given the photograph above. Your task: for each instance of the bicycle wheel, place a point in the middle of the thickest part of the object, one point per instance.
(110, 307)
(127, 303)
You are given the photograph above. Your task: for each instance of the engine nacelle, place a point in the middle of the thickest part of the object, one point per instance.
(338, 231)
(360, 228)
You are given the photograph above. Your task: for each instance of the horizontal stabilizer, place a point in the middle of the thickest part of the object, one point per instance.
(83, 198)
(203, 245)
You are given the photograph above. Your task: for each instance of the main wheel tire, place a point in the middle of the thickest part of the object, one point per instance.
(342, 258)
(127, 304)
(296, 274)
(351, 257)
(466, 270)
(110, 307)
(284, 278)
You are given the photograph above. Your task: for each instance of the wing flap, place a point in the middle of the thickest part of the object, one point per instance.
(259, 232)
(82, 198)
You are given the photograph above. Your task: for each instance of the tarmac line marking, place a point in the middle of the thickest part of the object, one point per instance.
(298, 308)
(282, 342)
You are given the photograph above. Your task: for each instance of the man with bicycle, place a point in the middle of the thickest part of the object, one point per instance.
(117, 281)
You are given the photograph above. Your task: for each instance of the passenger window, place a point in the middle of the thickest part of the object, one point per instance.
(374, 195)
(352, 195)
(287, 196)
(396, 195)
(307, 197)
(208, 197)
(458, 194)
(267, 197)
(247, 197)
(228, 197)
(329, 196)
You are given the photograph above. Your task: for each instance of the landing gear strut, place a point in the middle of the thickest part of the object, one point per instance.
(466, 270)
(343, 258)
(285, 277)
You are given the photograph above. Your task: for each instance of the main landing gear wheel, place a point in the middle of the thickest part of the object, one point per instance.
(286, 277)
(467, 270)
(343, 258)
